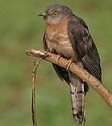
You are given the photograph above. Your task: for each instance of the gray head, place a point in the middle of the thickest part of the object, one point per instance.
(55, 14)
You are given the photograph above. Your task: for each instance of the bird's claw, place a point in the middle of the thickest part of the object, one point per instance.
(57, 58)
(68, 63)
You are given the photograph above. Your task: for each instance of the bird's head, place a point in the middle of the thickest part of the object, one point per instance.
(55, 14)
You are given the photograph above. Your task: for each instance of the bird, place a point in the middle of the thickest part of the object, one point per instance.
(67, 35)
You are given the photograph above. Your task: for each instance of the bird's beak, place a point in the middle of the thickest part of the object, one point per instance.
(43, 14)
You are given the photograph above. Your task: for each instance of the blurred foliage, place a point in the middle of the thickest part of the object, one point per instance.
(20, 29)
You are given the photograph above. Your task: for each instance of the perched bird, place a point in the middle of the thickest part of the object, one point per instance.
(68, 36)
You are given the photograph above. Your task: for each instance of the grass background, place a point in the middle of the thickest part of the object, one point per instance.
(20, 29)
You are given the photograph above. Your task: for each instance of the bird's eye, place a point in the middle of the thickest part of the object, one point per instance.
(55, 13)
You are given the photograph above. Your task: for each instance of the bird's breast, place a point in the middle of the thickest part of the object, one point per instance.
(57, 40)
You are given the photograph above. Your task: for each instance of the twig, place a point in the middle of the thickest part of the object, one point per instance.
(34, 117)
(80, 72)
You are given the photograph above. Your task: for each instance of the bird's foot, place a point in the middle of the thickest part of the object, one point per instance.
(57, 58)
(68, 63)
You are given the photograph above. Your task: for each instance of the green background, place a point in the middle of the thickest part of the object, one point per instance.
(21, 29)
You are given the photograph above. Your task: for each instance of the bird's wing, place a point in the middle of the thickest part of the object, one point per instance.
(61, 72)
(83, 43)
(44, 43)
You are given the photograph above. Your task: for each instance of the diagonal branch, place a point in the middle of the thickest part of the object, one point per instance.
(80, 72)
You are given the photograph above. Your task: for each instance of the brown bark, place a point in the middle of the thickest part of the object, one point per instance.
(82, 73)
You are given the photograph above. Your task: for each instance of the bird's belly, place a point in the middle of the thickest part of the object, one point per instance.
(58, 41)
(63, 47)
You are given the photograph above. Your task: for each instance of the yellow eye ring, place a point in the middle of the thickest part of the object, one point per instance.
(55, 14)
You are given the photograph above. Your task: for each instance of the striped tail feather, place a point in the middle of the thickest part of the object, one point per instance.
(77, 99)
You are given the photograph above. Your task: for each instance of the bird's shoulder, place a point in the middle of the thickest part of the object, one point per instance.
(77, 21)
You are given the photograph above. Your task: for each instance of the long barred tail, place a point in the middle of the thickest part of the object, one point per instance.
(78, 99)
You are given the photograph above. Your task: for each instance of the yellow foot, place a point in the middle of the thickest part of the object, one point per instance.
(68, 63)
(57, 58)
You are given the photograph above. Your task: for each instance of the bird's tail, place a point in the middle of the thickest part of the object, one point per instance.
(78, 99)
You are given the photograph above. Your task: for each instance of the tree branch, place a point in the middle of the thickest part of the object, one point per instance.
(80, 72)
